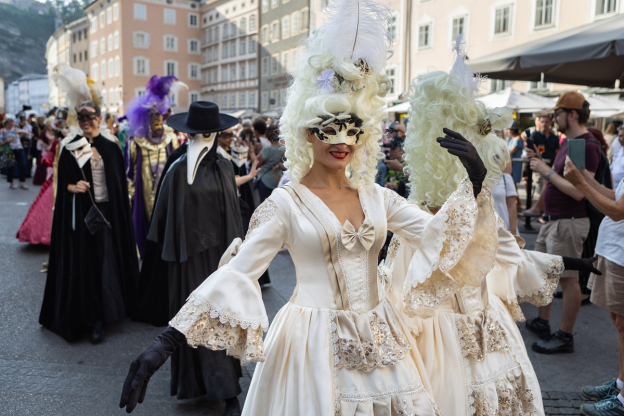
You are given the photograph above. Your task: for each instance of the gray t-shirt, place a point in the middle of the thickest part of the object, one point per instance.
(272, 155)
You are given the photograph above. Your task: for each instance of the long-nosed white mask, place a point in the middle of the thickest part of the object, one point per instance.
(198, 147)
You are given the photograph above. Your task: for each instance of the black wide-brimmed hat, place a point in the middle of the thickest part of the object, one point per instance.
(202, 117)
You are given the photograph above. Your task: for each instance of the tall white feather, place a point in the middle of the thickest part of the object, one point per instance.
(358, 29)
(177, 86)
(73, 82)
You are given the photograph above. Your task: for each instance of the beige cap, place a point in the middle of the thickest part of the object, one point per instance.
(570, 100)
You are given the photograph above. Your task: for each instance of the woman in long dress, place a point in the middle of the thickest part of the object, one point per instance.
(465, 313)
(338, 346)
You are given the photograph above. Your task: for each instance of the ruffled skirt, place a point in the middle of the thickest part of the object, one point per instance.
(478, 365)
(326, 362)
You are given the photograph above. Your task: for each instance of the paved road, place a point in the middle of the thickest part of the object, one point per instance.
(41, 374)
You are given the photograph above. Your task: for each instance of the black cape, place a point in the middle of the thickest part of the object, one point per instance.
(153, 293)
(194, 225)
(74, 292)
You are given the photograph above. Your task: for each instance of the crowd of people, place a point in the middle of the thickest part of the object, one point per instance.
(173, 219)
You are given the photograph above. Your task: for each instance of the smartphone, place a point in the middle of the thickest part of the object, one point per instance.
(530, 143)
(576, 152)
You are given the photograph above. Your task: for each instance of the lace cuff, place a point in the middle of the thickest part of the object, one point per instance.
(463, 225)
(203, 324)
(525, 276)
(225, 312)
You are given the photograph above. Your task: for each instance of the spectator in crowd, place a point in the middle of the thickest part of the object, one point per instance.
(617, 160)
(44, 143)
(395, 164)
(608, 289)
(26, 135)
(269, 157)
(547, 143)
(260, 131)
(505, 199)
(10, 134)
(515, 144)
(398, 131)
(610, 134)
(566, 221)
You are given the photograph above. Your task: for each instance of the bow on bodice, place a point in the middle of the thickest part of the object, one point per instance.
(366, 235)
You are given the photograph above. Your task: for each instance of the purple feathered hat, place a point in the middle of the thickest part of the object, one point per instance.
(156, 98)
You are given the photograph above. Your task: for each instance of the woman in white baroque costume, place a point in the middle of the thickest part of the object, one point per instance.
(463, 315)
(338, 346)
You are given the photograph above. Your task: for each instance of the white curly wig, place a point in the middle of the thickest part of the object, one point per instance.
(440, 99)
(352, 47)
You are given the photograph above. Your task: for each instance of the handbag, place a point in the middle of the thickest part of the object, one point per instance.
(95, 220)
(7, 157)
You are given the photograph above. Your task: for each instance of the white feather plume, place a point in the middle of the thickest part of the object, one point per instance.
(177, 86)
(358, 29)
(461, 70)
(73, 82)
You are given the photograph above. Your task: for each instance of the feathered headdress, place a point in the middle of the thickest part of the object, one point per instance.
(157, 98)
(77, 88)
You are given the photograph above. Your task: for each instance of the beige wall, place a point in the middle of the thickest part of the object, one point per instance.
(480, 20)
(128, 81)
(157, 29)
(79, 46)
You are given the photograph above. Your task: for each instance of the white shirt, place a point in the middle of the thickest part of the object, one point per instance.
(500, 193)
(617, 163)
(265, 142)
(610, 244)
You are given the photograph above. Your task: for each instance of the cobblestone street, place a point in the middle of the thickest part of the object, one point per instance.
(41, 374)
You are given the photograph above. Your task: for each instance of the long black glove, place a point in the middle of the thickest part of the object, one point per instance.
(457, 145)
(144, 367)
(584, 265)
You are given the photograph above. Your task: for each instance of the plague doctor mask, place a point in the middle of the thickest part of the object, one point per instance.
(201, 123)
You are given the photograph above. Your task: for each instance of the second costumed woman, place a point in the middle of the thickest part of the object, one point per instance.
(338, 347)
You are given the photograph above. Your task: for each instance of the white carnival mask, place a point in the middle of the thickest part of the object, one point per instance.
(81, 150)
(338, 129)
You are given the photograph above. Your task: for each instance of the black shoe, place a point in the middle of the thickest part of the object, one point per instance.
(607, 389)
(558, 294)
(585, 301)
(232, 407)
(554, 345)
(542, 330)
(97, 334)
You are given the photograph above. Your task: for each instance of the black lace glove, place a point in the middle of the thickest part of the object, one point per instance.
(583, 265)
(457, 145)
(145, 366)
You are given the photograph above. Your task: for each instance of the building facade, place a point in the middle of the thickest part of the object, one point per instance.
(230, 54)
(490, 26)
(31, 90)
(78, 35)
(129, 41)
(284, 24)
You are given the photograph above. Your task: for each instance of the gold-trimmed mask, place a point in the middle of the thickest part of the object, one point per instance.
(338, 129)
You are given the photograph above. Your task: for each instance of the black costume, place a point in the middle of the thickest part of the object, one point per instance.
(194, 225)
(153, 293)
(91, 277)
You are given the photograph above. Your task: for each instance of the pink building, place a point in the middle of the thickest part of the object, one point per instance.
(132, 40)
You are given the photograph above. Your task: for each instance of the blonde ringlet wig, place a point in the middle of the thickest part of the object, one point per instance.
(305, 104)
(440, 99)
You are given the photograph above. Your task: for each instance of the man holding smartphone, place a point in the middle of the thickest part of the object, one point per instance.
(566, 220)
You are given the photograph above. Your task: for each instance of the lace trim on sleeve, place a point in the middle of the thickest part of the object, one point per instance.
(203, 324)
(544, 295)
(262, 214)
(393, 198)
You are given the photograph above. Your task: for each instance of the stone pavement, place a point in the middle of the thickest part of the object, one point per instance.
(41, 374)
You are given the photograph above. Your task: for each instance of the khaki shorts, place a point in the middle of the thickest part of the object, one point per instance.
(608, 289)
(563, 237)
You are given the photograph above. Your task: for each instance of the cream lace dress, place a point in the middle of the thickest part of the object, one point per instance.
(338, 346)
(465, 318)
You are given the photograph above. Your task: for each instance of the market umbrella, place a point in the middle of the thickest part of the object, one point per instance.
(522, 102)
(591, 55)
(399, 108)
